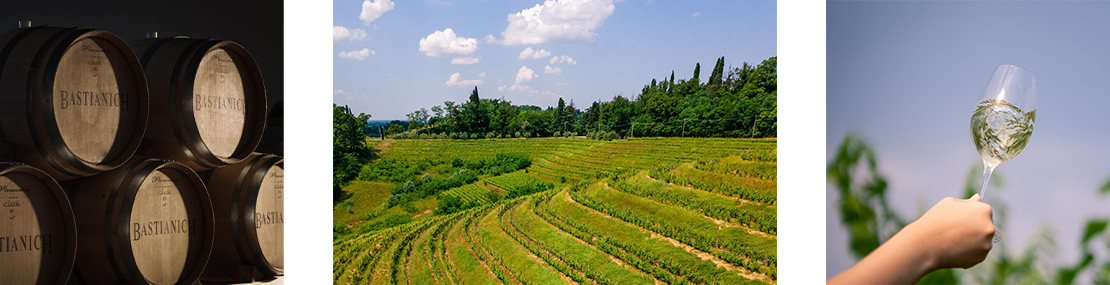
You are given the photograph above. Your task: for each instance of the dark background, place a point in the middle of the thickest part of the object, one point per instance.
(256, 25)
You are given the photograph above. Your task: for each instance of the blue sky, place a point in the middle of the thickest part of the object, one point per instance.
(391, 58)
(906, 75)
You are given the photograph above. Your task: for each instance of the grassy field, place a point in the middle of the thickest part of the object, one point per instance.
(638, 211)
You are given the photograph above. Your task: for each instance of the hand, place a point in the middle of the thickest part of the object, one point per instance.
(957, 232)
(954, 233)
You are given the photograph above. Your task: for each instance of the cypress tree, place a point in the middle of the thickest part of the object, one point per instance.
(697, 71)
(718, 71)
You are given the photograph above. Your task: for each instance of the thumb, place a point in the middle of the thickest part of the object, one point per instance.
(974, 197)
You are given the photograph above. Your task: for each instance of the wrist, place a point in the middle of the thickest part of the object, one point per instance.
(917, 243)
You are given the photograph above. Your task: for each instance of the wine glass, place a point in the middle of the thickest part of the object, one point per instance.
(1003, 120)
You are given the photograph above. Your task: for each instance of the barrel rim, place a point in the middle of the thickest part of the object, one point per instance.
(55, 148)
(131, 183)
(184, 75)
(68, 220)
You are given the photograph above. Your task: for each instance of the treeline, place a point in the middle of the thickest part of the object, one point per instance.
(349, 149)
(741, 102)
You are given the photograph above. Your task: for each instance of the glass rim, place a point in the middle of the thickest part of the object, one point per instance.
(1023, 69)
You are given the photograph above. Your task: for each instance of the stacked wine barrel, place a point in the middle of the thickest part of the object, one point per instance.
(134, 162)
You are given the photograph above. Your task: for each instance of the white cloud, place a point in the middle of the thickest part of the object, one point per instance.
(339, 92)
(555, 70)
(464, 60)
(372, 10)
(514, 87)
(531, 53)
(697, 14)
(342, 33)
(454, 81)
(525, 74)
(562, 59)
(557, 21)
(357, 54)
(480, 75)
(446, 42)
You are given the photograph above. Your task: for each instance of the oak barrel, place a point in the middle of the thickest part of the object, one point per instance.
(208, 100)
(248, 202)
(149, 221)
(73, 101)
(38, 237)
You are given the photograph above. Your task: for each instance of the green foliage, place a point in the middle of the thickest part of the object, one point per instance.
(863, 206)
(349, 148)
(492, 197)
(450, 204)
(394, 129)
(1094, 227)
(477, 236)
(742, 105)
(389, 221)
(338, 230)
(529, 189)
(697, 72)
(394, 170)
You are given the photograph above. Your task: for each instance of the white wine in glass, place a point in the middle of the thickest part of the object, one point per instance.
(1003, 120)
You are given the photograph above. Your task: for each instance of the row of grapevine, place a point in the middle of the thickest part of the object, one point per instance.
(469, 193)
(633, 245)
(756, 216)
(512, 180)
(674, 211)
(739, 247)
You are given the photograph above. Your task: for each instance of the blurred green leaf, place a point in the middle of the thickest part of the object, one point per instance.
(1067, 275)
(1105, 188)
(1094, 227)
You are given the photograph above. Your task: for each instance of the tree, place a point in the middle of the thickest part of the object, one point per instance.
(559, 117)
(474, 119)
(349, 149)
(718, 70)
(569, 112)
(743, 105)
(418, 118)
(395, 129)
(697, 71)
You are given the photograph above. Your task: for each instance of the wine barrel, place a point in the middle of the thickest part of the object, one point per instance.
(38, 237)
(73, 101)
(208, 100)
(248, 202)
(149, 221)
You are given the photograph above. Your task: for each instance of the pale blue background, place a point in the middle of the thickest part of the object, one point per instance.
(905, 76)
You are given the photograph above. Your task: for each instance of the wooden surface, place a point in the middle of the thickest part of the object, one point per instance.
(33, 234)
(166, 209)
(90, 104)
(270, 206)
(148, 221)
(219, 102)
(248, 202)
(73, 101)
(207, 99)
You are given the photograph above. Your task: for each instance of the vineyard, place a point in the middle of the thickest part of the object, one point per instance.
(561, 210)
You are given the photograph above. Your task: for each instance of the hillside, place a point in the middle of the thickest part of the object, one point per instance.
(562, 210)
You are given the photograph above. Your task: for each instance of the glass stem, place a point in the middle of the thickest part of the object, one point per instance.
(987, 170)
